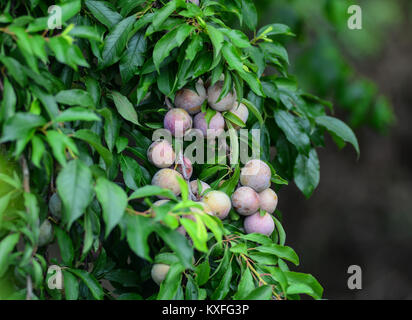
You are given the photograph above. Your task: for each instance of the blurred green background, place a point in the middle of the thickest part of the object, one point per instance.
(361, 213)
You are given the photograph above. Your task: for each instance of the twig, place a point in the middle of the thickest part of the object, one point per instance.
(168, 103)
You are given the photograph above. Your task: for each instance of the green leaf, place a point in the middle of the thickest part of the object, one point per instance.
(293, 130)
(260, 293)
(113, 201)
(275, 29)
(161, 15)
(197, 233)
(283, 252)
(74, 185)
(224, 285)
(216, 37)
(246, 285)
(77, 114)
(125, 108)
(306, 172)
(91, 282)
(178, 243)
(94, 140)
(149, 191)
(232, 57)
(281, 231)
(103, 12)
(8, 104)
(169, 287)
(303, 283)
(20, 125)
(195, 45)
(116, 41)
(202, 273)
(132, 172)
(138, 230)
(339, 128)
(75, 97)
(238, 38)
(6, 247)
(249, 14)
(133, 57)
(58, 142)
(168, 42)
(65, 245)
(86, 32)
(71, 286)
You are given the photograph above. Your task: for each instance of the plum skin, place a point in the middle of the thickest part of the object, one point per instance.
(219, 202)
(216, 124)
(45, 233)
(258, 224)
(190, 100)
(268, 200)
(159, 272)
(167, 179)
(256, 174)
(226, 103)
(178, 122)
(161, 154)
(55, 206)
(245, 201)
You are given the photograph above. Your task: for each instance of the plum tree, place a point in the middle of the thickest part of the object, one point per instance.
(191, 100)
(245, 201)
(219, 202)
(256, 174)
(167, 179)
(216, 124)
(225, 103)
(178, 122)
(257, 223)
(161, 154)
(159, 272)
(268, 200)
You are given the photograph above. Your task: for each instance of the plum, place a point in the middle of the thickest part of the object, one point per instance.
(167, 179)
(219, 202)
(245, 201)
(195, 189)
(55, 206)
(256, 174)
(45, 233)
(242, 112)
(178, 122)
(159, 272)
(188, 168)
(215, 127)
(191, 100)
(268, 200)
(259, 224)
(161, 154)
(226, 103)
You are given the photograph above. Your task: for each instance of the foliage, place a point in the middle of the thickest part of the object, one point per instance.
(79, 106)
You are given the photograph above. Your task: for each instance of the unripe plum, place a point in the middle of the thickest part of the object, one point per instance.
(178, 122)
(55, 206)
(245, 200)
(258, 224)
(190, 100)
(256, 174)
(195, 189)
(216, 124)
(219, 202)
(45, 233)
(226, 103)
(242, 112)
(188, 168)
(268, 200)
(161, 154)
(167, 179)
(159, 272)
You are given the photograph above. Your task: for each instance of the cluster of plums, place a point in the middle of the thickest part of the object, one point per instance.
(253, 195)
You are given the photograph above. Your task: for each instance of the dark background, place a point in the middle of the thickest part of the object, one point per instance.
(361, 213)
